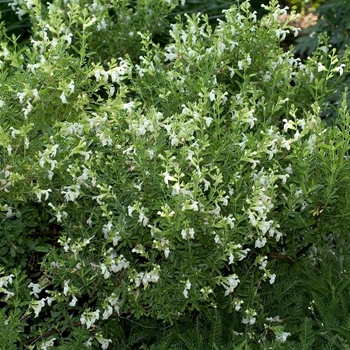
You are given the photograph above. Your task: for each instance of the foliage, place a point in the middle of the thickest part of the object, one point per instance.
(304, 6)
(13, 20)
(309, 303)
(312, 299)
(115, 23)
(214, 9)
(160, 185)
(333, 18)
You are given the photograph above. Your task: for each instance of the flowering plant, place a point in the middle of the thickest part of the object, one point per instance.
(168, 183)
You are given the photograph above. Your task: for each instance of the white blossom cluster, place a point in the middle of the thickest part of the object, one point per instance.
(5, 282)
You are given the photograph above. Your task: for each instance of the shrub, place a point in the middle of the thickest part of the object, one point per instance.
(157, 186)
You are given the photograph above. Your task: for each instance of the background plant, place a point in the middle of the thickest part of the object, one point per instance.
(333, 20)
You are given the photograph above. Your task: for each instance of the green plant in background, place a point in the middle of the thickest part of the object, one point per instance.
(304, 6)
(333, 18)
(14, 23)
(162, 185)
(214, 9)
(312, 300)
(115, 23)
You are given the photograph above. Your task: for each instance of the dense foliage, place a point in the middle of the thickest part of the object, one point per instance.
(333, 18)
(149, 182)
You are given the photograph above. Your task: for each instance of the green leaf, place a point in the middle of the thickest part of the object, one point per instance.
(42, 249)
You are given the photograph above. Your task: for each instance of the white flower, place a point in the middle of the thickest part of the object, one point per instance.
(272, 278)
(263, 262)
(21, 96)
(61, 215)
(143, 219)
(267, 77)
(248, 320)
(27, 109)
(217, 239)
(194, 206)
(242, 254)
(14, 132)
(289, 169)
(35, 289)
(311, 142)
(238, 304)
(298, 193)
(88, 342)
(282, 337)
(108, 312)
(264, 226)
(274, 319)
(296, 135)
(230, 220)
(66, 287)
(212, 95)
(89, 318)
(5, 280)
(185, 234)
(231, 259)
(187, 288)
(281, 34)
(284, 178)
(251, 119)
(171, 53)
(68, 38)
(232, 72)
(107, 228)
(252, 219)
(43, 192)
(250, 317)
(321, 67)
(221, 47)
(339, 69)
(63, 98)
(129, 106)
(71, 195)
(71, 86)
(231, 283)
(260, 242)
(254, 162)
(48, 344)
(167, 177)
(208, 121)
(130, 210)
(73, 301)
(288, 124)
(249, 60)
(37, 305)
(166, 252)
(122, 264)
(105, 271)
(286, 144)
(104, 342)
